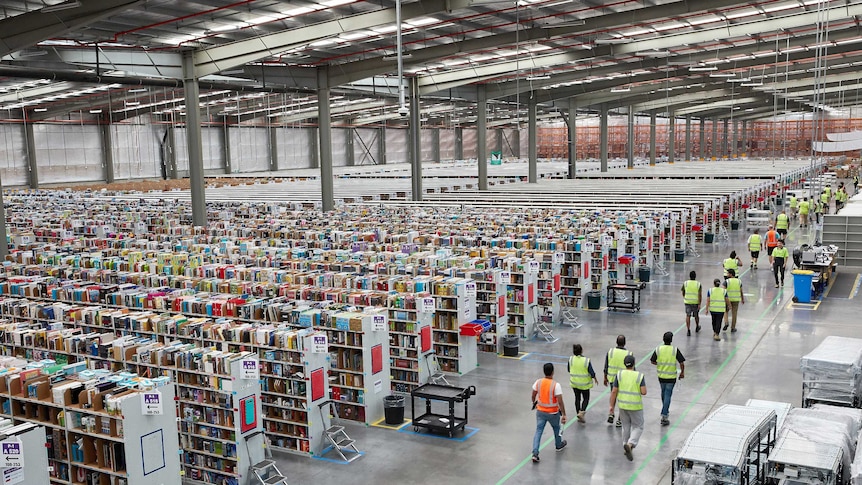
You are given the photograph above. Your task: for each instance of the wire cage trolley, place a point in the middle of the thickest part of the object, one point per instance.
(832, 373)
(730, 446)
(814, 446)
(440, 423)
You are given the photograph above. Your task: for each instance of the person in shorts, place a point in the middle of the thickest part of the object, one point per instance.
(692, 294)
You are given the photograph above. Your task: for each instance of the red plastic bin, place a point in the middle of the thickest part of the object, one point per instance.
(471, 329)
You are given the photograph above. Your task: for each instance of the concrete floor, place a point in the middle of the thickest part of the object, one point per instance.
(760, 361)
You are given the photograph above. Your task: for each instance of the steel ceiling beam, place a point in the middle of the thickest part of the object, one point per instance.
(28, 29)
(34, 92)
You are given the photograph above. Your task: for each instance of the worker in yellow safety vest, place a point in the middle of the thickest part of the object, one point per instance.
(823, 208)
(794, 204)
(735, 297)
(804, 208)
(629, 389)
(782, 223)
(581, 377)
(692, 295)
(665, 358)
(716, 305)
(548, 400)
(755, 244)
(613, 364)
(731, 263)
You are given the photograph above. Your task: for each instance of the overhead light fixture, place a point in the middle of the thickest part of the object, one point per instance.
(140, 90)
(32, 52)
(702, 68)
(574, 23)
(750, 84)
(612, 41)
(739, 80)
(722, 74)
(69, 4)
(132, 103)
(95, 111)
(538, 78)
(395, 58)
(653, 53)
(40, 110)
(625, 89)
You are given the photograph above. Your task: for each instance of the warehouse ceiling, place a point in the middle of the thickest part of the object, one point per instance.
(261, 61)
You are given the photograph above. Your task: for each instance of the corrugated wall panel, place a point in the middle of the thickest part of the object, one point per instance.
(426, 145)
(294, 147)
(68, 153)
(471, 137)
(366, 146)
(249, 149)
(136, 148)
(13, 156)
(447, 145)
(396, 146)
(339, 147)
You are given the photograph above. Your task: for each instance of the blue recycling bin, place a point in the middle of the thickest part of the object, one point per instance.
(802, 283)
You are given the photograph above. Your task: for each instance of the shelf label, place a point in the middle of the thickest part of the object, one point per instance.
(589, 247)
(250, 369)
(11, 476)
(151, 403)
(378, 386)
(13, 453)
(624, 235)
(505, 277)
(607, 240)
(559, 258)
(426, 305)
(319, 344)
(470, 288)
(379, 322)
(533, 267)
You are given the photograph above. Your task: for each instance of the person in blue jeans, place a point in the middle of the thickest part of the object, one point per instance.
(665, 358)
(550, 408)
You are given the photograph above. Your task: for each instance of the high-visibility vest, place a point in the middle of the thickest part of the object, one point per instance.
(824, 197)
(579, 372)
(771, 239)
(781, 253)
(629, 390)
(616, 362)
(546, 400)
(793, 202)
(692, 288)
(731, 263)
(828, 193)
(734, 288)
(804, 207)
(665, 361)
(716, 300)
(782, 221)
(754, 242)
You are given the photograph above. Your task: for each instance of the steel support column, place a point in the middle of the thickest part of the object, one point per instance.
(33, 178)
(194, 140)
(702, 147)
(225, 134)
(630, 140)
(688, 138)
(314, 148)
(459, 143)
(532, 130)
(734, 146)
(324, 130)
(573, 138)
(4, 243)
(714, 138)
(725, 152)
(603, 137)
(481, 137)
(744, 137)
(273, 148)
(415, 140)
(671, 137)
(652, 128)
(108, 149)
(381, 145)
(171, 155)
(435, 147)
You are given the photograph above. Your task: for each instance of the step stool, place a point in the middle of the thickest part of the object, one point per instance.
(569, 318)
(268, 474)
(543, 326)
(341, 443)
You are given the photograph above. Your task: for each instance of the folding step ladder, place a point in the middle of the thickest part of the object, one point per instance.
(543, 325)
(723, 235)
(435, 375)
(659, 269)
(338, 439)
(568, 318)
(267, 473)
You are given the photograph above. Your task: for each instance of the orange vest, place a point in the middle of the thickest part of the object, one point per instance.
(546, 400)
(771, 239)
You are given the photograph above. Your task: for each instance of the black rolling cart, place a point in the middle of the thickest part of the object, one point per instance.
(624, 297)
(440, 423)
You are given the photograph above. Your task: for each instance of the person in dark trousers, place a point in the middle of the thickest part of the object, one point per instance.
(780, 257)
(550, 408)
(736, 297)
(629, 389)
(692, 294)
(716, 304)
(665, 358)
(582, 376)
(614, 364)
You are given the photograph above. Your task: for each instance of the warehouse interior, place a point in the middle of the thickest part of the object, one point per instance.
(186, 183)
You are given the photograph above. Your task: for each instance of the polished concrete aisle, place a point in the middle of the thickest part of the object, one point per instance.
(760, 361)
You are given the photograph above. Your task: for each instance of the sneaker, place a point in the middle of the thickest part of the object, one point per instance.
(665, 421)
(689, 332)
(610, 418)
(618, 424)
(627, 449)
(562, 445)
(716, 337)
(581, 417)
(535, 458)
(725, 327)
(776, 285)
(697, 329)
(732, 330)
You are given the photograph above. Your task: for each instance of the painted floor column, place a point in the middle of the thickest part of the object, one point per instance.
(194, 140)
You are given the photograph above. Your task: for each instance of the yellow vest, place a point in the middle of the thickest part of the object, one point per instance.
(793, 202)
(616, 358)
(781, 253)
(754, 242)
(665, 362)
(579, 372)
(782, 221)
(734, 289)
(716, 300)
(629, 392)
(691, 290)
(731, 263)
(803, 207)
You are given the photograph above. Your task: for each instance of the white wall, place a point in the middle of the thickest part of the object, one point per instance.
(447, 145)
(396, 146)
(249, 149)
(371, 139)
(136, 150)
(471, 137)
(13, 156)
(68, 153)
(294, 147)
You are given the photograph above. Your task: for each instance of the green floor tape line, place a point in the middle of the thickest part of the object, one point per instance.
(703, 389)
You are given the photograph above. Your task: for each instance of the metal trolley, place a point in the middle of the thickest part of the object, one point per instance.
(832, 373)
(729, 447)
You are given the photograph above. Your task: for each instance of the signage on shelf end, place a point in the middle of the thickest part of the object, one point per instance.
(152, 404)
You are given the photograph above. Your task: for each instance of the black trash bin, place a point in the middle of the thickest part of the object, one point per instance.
(679, 255)
(734, 225)
(643, 274)
(510, 346)
(393, 409)
(594, 300)
(708, 237)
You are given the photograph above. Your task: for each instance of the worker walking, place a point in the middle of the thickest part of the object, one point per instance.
(794, 204)
(755, 243)
(735, 296)
(716, 305)
(548, 400)
(771, 242)
(782, 223)
(614, 363)
(731, 263)
(692, 295)
(804, 208)
(824, 201)
(581, 377)
(665, 358)
(629, 389)
(781, 256)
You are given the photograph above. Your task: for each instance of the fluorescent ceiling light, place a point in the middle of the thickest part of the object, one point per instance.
(573, 23)
(538, 78)
(702, 68)
(336, 3)
(61, 6)
(323, 42)
(751, 84)
(298, 11)
(356, 35)
(621, 90)
(722, 74)
(422, 21)
(655, 53)
(95, 111)
(40, 110)
(385, 29)
(132, 103)
(612, 41)
(739, 80)
(395, 57)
